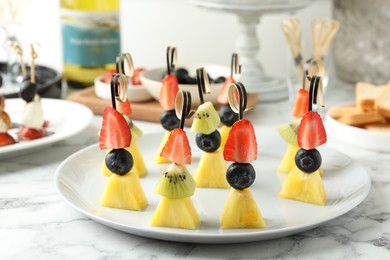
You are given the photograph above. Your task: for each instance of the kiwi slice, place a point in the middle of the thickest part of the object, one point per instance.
(206, 119)
(176, 183)
(289, 132)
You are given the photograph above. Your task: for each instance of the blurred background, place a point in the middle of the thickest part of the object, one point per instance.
(149, 26)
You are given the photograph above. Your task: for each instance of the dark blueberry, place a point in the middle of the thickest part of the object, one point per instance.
(119, 161)
(28, 90)
(180, 73)
(240, 175)
(228, 117)
(308, 161)
(219, 80)
(188, 80)
(169, 120)
(210, 142)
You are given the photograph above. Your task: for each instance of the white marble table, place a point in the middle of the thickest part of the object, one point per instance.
(35, 223)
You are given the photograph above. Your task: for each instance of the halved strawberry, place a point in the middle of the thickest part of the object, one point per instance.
(311, 131)
(124, 107)
(115, 132)
(107, 75)
(169, 89)
(301, 104)
(223, 96)
(6, 139)
(135, 80)
(31, 133)
(241, 145)
(177, 149)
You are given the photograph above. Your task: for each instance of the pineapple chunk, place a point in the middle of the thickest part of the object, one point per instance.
(139, 164)
(124, 192)
(211, 171)
(288, 161)
(159, 159)
(176, 213)
(305, 187)
(224, 135)
(241, 211)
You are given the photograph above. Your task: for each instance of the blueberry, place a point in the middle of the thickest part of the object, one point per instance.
(188, 80)
(240, 175)
(180, 73)
(28, 90)
(228, 117)
(169, 120)
(210, 142)
(220, 79)
(119, 161)
(308, 161)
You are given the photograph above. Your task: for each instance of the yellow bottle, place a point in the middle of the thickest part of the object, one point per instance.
(90, 39)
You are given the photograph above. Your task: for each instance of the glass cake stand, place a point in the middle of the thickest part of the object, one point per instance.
(249, 13)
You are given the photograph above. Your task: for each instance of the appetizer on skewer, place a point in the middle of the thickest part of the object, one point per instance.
(5, 125)
(211, 170)
(176, 186)
(124, 108)
(169, 89)
(240, 210)
(123, 189)
(304, 183)
(228, 117)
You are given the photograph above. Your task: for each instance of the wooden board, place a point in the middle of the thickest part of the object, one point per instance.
(145, 111)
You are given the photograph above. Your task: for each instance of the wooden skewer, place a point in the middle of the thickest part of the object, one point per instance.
(34, 56)
(323, 33)
(19, 51)
(292, 31)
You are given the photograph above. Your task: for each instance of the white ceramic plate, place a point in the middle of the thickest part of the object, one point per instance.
(80, 182)
(65, 120)
(376, 141)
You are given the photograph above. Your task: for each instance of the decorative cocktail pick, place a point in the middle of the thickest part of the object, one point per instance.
(312, 67)
(323, 34)
(240, 210)
(303, 183)
(293, 32)
(5, 121)
(19, 51)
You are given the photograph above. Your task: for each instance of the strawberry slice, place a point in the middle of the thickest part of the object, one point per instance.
(6, 139)
(135, 80)
(124, 107)
(115, 132)
(224, 92)
(169, 89)
(31, 133)
(301, 104)
(311, 131)
(177, 149)
(107, 75)
(241, 145)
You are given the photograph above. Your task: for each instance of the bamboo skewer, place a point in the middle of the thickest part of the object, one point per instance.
(292, 31)
(323, 34)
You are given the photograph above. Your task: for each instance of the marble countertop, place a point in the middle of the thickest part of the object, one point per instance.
(35, 223)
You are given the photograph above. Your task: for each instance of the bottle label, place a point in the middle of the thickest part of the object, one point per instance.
(90, 39)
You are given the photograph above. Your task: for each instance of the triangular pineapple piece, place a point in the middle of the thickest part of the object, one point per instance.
(159, 159)
(288, 161)
(139, 163)
(124, 192)
(176, 213)
(241, 211)
(224, 131)
(211, 171)
(305, 187)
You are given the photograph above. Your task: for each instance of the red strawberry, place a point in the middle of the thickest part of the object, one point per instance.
(311, 131)
(31, 133)
(241, 145)
(124, 107)
(301, 104)
(177, 149)
(115, 132)
(6, 139)
(224, 92)
(169, 89)
(135, 80)
(107, 75)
